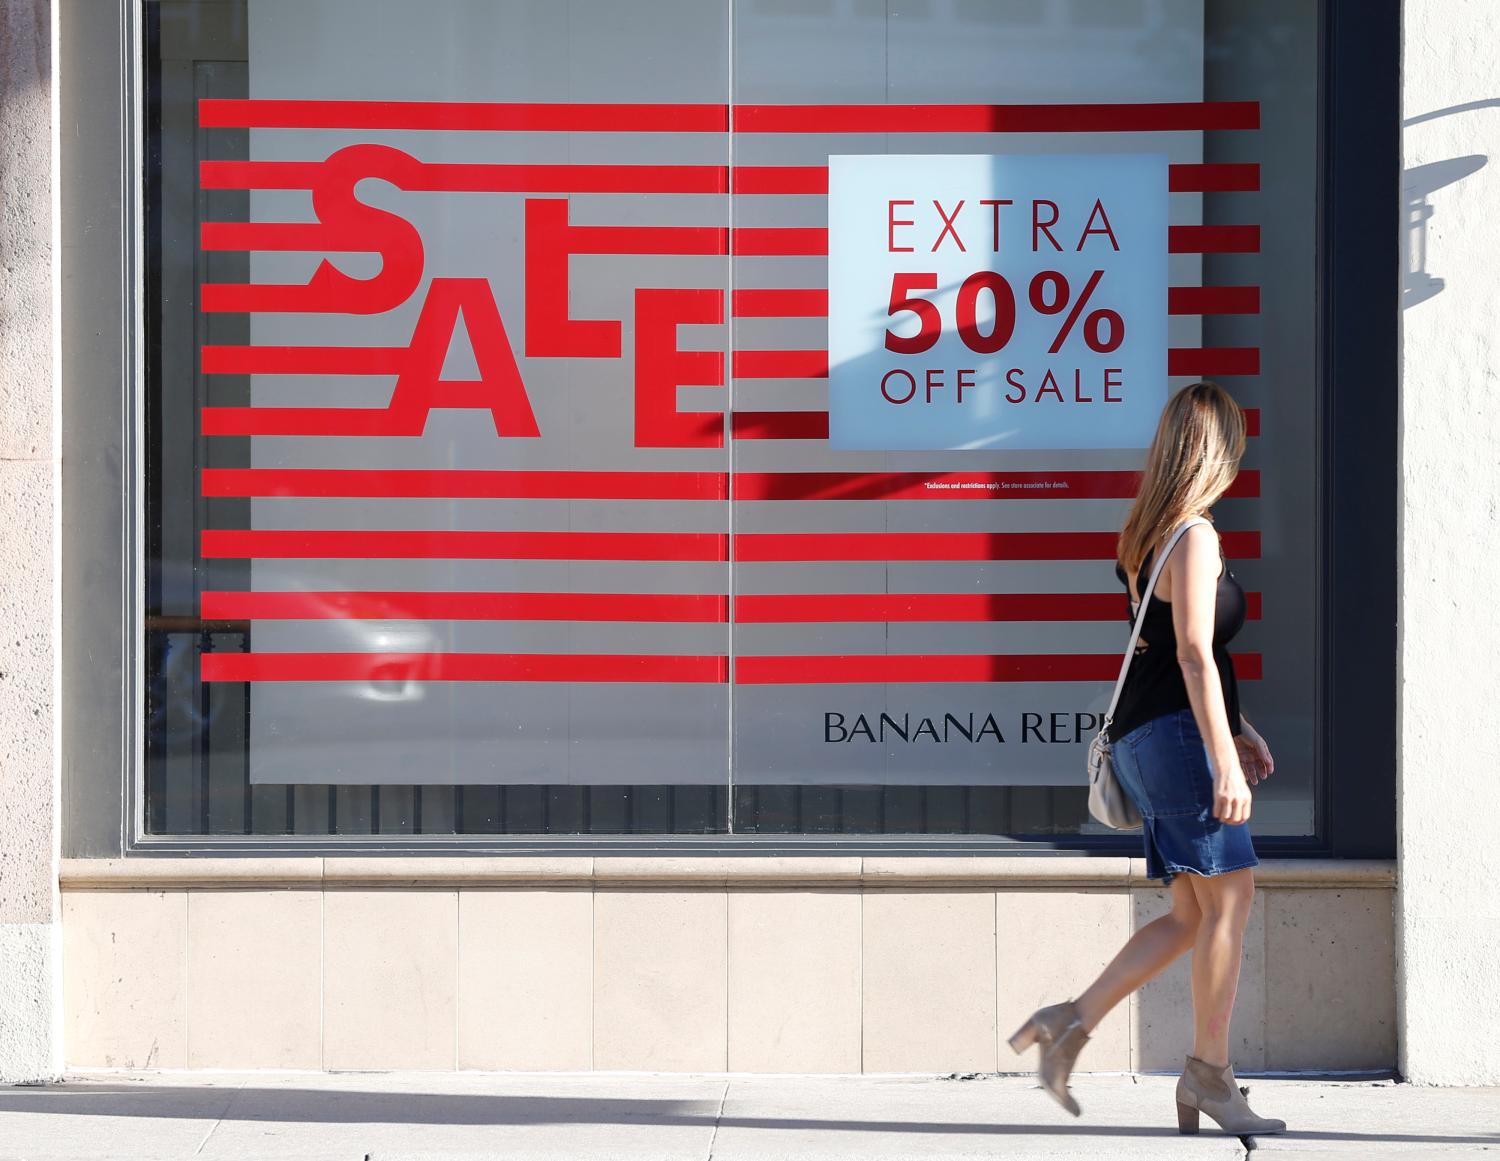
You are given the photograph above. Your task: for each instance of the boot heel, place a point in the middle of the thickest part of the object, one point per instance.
(1024, 1038)
(1187, 1118)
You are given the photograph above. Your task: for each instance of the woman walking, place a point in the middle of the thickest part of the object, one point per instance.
(1187, 757)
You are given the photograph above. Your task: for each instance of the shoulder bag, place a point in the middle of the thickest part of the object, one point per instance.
(1108, 802)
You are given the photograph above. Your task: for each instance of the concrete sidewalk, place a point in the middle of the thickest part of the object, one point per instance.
(613, 1117)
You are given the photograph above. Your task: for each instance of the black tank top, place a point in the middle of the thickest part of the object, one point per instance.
(1154, 684)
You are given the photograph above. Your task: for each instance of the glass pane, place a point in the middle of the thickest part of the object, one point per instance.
(455, 368)
(940, 658)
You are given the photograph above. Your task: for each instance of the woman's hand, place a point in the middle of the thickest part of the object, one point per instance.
(1231, 798)
(1254, 754)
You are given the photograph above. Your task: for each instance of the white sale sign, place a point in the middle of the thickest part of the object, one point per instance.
(997, 301)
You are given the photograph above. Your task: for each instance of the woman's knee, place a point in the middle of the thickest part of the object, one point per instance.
(1225, 899)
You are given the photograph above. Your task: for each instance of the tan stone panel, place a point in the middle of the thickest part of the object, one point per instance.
(27, 871)
(660, 995)
(1049, 947)
(124, 986)
(1331, 979)
(1162, 1011)
(390, 964)
(254, 979)
(929, 981)
(794, 981)
(525, 963)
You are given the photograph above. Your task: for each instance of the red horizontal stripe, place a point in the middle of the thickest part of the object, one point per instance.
(781, 179)
(883, 668)
(460, 667)
(1213, 361)
(1213, 239)
(648, 240)
(780, 364)
(1081, 485)
(318, 421)
(830, 608)
(1213, 300)
(318, 238)
(413, 606)
(796, 303)
(560, 117)
(1214, 178)
(1141, 118)
(759, 547)
(278, 236)
(377, 421)
(781, 241)
(470, 177)
(448, 545)
(302, 360)
(813, 179)
(464, 483)
(780, 424)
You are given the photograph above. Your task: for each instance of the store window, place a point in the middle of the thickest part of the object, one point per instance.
(701, 418)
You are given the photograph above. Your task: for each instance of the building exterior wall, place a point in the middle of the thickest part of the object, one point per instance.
(744, 965)
(1450, 572)
(876, 965)
(29, 956)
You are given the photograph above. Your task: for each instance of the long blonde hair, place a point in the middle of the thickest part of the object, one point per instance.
(1194, 458)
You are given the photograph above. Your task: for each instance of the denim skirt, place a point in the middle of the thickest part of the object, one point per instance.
(1164, 766)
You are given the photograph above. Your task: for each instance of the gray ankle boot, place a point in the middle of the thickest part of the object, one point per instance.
(1204, 1088)
(1059, 1028)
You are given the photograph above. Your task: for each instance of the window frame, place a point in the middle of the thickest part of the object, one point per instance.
(101, 172)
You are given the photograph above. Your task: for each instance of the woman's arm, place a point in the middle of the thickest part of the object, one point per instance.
(1194, 567)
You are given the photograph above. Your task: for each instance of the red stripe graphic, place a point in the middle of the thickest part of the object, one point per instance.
(1210, 178)
(780, 364)
(780, 424)
(474, 177)
(831, 608)
(1076, 485)
(944, 667)
(781, 179)
(813, 179)
(566, 117)
(774, 241)
(1213, 239)
(1213, 300)
(765, 547)
(314, 236)
(327, 421)
(302, 360)
(447, 545)
(468, 606)
(464, 483)
(1213, 361)
(560, 117)
(364, 421)
(461, 667)
(796, 303)
(781, 241)
(1142, 118)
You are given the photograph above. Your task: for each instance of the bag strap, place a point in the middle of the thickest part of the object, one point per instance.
(1140, 614)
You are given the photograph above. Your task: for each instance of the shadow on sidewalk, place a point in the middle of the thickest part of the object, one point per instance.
(324, 1106)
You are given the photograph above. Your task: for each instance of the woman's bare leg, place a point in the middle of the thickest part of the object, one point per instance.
(1224, 901)
(1144, 955)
